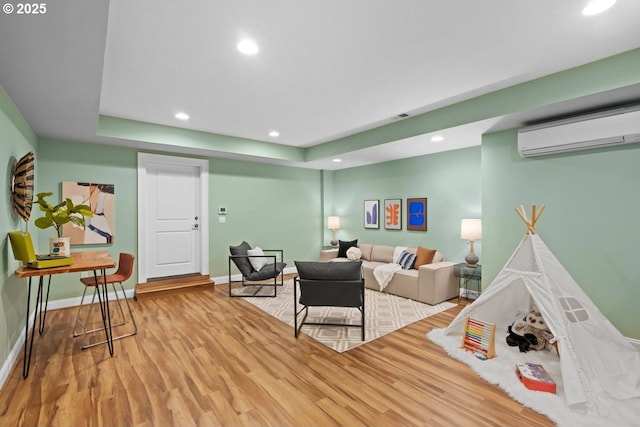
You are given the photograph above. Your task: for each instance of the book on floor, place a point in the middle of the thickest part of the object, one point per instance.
(535, 377)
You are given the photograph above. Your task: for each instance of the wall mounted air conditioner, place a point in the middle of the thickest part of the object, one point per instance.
(607, 128)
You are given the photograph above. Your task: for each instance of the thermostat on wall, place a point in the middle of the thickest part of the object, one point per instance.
(222, 211)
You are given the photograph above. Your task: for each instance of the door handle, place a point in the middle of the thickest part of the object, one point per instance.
(195, 227)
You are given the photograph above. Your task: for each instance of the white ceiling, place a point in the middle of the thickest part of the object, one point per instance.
(325, 70)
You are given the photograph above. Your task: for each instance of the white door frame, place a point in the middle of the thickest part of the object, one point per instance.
(203, 166)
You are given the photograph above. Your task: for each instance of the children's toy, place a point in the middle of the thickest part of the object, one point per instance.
(530, 333)
(534, 377)
(479, 338)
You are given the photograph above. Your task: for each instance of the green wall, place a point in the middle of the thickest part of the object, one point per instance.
(268, 206)
(273, 207)
(16, 140)
(589, 223)
(60, 161)
(450, 181)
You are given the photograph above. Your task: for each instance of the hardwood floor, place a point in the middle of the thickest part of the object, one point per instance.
(203, 359)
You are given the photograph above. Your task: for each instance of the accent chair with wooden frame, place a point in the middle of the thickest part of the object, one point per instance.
(323, 284)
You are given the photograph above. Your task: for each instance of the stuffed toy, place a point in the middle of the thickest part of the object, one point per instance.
(530, 333)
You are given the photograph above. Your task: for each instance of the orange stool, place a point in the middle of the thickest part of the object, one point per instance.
(123, 273)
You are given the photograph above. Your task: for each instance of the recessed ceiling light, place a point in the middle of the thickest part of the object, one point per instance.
(337, 160)
(274, 134)
(597, 6)
(248, 47)
(182, 116)
(437, 138)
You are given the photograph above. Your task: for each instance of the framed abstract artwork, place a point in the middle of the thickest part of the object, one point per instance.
(100, 228)
(371, 213)
(417, 214)
(393, 214)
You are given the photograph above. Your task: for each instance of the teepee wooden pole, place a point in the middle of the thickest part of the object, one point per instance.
(522, 215)
(535, 215)
(538, 215)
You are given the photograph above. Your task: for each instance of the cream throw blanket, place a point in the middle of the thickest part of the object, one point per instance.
(384, 273)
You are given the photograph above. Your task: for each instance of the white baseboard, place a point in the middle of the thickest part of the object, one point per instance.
(14, 354)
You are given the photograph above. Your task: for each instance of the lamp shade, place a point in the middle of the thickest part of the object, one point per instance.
(333, 222)
(471, 229)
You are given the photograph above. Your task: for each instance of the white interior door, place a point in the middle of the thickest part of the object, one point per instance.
(172, 234)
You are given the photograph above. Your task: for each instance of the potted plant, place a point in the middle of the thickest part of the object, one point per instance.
(56, 216)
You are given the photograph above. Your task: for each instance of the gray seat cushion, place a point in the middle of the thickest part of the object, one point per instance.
(267, 271)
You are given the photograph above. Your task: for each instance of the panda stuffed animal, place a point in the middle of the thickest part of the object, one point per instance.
(530, 333)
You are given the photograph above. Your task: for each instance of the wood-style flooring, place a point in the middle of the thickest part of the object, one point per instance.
(203, 359)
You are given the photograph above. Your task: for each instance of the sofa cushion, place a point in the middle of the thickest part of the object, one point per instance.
(406, 260)
(365, 249)
(312, 270)
(382, 253)
(424, 256)
(344, 245)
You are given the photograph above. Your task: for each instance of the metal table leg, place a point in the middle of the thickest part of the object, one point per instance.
(38, 311)
(103, 301)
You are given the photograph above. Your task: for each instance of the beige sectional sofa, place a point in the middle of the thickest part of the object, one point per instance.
(430, 283)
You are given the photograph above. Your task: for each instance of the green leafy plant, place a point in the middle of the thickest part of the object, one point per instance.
(57, 215)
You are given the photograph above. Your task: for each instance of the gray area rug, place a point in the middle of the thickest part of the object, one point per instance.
(384, 313)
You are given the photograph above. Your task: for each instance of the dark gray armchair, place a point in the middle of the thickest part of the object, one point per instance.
(328, 284)
(255, 281)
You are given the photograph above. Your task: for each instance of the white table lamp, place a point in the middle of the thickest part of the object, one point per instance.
(471, 229)
(333, 223)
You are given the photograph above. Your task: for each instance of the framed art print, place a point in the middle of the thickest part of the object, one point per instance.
(371, 213)
(393, 214)
(417, 214)
(100, 228)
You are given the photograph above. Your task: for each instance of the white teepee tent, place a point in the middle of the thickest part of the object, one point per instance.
(597, 363)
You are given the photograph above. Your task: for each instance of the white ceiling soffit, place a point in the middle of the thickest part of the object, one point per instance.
(324, 70)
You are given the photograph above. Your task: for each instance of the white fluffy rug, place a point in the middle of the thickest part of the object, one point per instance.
(501, 371)
(384, 313)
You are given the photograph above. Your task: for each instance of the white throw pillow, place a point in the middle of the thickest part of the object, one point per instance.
(257, 262)
(397, 252)
(354, 253)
